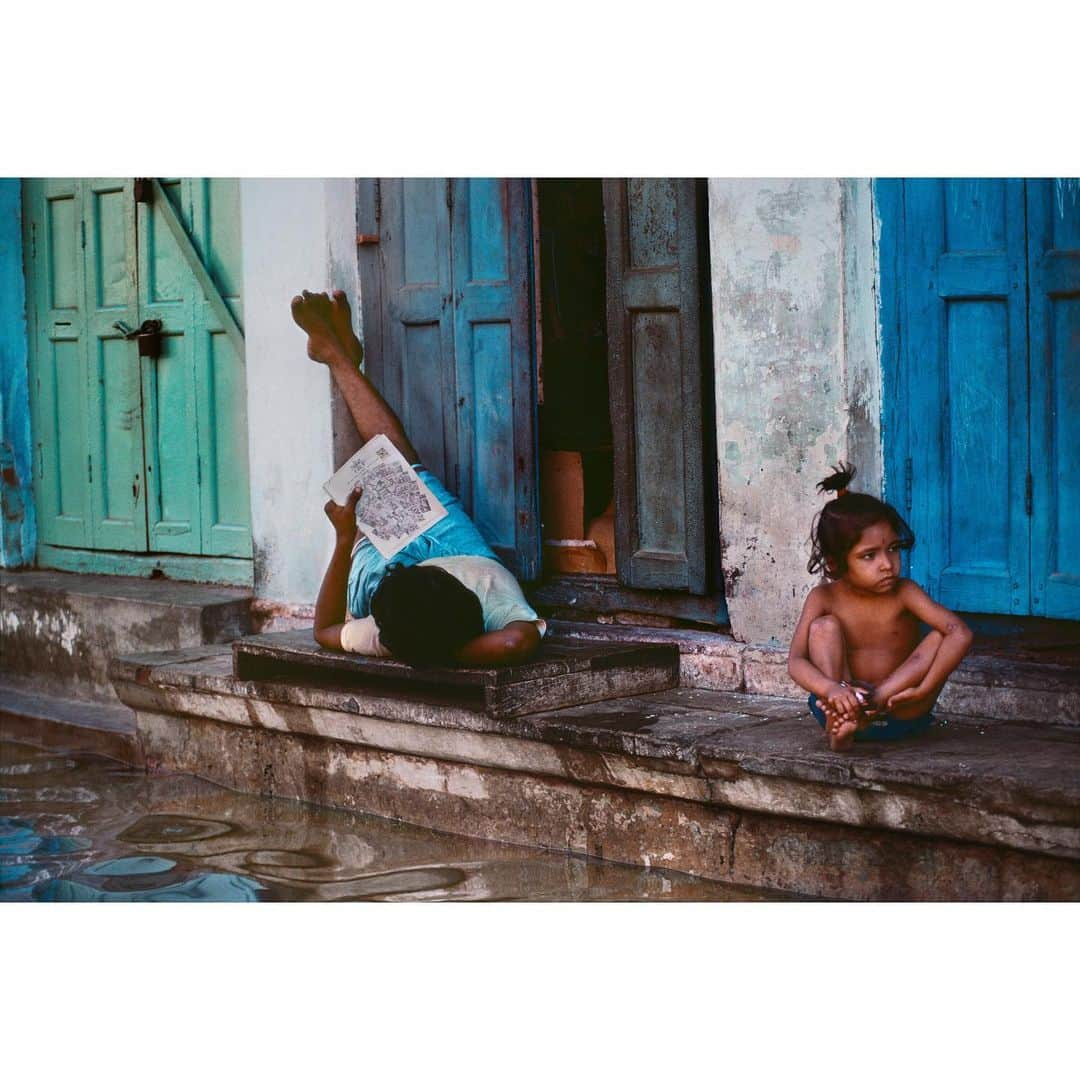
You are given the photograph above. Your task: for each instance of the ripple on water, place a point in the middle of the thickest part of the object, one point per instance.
(215, 888)
(173, 829)
(136, 864)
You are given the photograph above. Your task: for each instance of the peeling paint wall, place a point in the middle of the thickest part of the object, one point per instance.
(297, 234)
(797, 378)
(17, 521)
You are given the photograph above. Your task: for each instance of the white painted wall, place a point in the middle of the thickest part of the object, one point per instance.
(797, 378)
(297, 234)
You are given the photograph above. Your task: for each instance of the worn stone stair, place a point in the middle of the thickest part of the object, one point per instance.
(60, 630)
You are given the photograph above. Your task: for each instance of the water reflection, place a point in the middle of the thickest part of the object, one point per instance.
(114, 834)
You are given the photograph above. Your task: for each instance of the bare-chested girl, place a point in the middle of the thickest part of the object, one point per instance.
(858, 647)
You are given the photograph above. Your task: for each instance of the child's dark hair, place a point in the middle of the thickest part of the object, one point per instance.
(836, 530)
(425, 615)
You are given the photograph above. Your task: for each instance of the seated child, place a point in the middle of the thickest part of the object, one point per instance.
(859, 647)
(445, 598)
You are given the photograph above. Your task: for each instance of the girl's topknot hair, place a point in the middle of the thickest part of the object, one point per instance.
(836, 530)
(839, 480)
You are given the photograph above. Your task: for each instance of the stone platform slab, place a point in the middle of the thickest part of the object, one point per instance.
(561, 673)
(61, 629)
(729, 786)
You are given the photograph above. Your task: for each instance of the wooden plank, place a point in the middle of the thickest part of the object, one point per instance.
(195, 264)
(567, 672)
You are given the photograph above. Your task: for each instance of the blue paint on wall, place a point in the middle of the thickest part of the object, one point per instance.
(17, 524)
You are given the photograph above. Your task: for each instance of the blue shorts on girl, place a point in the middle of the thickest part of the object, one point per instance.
(883, 728)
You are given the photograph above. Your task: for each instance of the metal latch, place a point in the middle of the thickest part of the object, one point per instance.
(148, 337)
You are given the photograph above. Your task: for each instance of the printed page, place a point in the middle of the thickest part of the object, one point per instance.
(396, 505)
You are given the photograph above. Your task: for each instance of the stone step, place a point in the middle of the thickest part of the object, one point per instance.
(984, 686)
(61, 629)
(72, 724)
(561, 673)
(734, 787)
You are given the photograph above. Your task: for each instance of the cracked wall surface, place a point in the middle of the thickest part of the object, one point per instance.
(794, 327)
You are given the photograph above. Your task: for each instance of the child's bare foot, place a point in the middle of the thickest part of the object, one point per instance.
(841, 733)
(341, 318)
(313, 313)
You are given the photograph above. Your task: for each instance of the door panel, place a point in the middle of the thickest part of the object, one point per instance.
(114, 394)
(491, 231)
(966, 381)
(447, 338)
(415, 370)
(654, 345)
(1054, 259)
(220, 386)
(167, 292)
(58, 360)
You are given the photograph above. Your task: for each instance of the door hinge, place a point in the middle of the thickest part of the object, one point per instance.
(82, 229)
(198, 470)
(89, 469)
(449, 194)
(33, 242)
(1028, 494)
(907, 484)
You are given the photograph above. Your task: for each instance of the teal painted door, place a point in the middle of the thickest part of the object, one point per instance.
(982, 384)
(134, 455)
(446, 292)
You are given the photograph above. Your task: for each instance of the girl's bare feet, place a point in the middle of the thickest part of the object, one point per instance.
(314, 314)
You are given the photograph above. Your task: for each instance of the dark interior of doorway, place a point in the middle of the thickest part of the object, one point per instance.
(577, 481)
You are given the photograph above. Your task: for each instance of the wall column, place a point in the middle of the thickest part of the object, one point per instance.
(797, 378)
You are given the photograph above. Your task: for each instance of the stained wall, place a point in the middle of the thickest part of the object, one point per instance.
(797, 378)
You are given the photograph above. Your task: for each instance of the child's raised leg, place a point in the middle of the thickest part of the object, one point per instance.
(331, 341)
(910, 673)
(828, 653)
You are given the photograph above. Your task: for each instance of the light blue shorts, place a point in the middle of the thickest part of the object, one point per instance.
(454, 534)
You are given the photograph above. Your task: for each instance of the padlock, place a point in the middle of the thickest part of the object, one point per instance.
(149, 338)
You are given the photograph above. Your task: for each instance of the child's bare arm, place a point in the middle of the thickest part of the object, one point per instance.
(956, 640)
(513, 644)
(330, 605)
(832, 694)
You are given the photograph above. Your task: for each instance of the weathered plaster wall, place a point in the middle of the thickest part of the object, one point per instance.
(17, 522)
(297, 234)
(797, 388)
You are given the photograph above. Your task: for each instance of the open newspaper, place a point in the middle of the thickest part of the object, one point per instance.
(396, 506)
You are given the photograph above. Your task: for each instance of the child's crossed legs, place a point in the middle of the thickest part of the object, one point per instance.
(828, 652)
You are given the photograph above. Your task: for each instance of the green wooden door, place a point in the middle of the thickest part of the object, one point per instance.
(136, 455)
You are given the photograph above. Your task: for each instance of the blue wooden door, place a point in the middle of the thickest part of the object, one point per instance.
(447, 339)
(981, 353)
(1053, 208)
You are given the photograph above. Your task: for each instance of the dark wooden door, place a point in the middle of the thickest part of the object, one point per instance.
(655, 375)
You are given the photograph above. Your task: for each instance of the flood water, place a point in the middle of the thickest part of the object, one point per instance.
(77, 827)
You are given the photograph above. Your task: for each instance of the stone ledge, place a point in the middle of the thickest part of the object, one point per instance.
(1005, 785)
(986, 687)
(61, 629)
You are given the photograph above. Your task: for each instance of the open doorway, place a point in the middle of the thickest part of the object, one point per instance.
(577, 494)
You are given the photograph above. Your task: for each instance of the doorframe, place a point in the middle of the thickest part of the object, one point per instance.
(602, 594)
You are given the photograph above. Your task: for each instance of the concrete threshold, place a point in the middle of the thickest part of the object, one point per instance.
(731, 786)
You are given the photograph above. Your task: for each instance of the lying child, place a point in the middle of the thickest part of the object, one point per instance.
(858, 647)
(445, 598)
